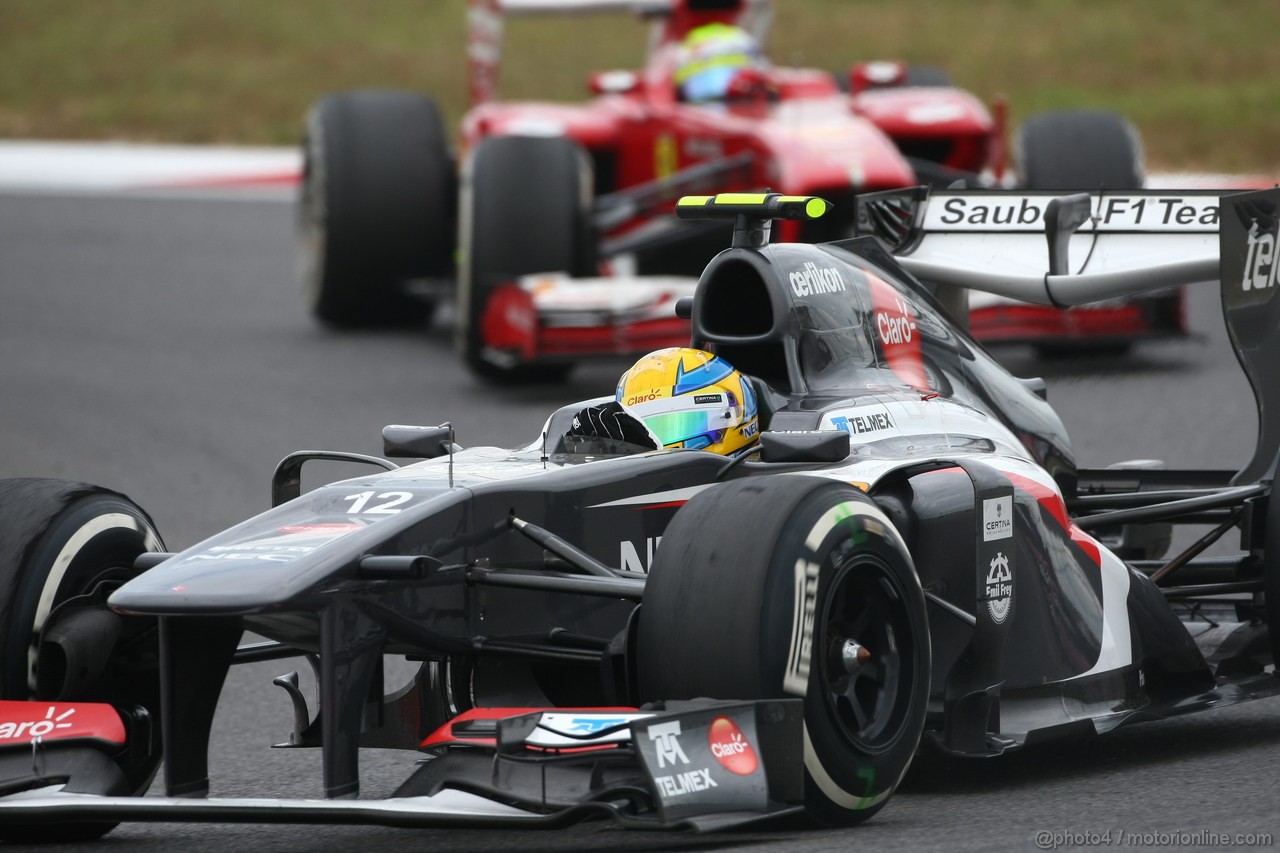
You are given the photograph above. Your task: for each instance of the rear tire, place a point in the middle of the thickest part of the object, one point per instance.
(1079, 150)
(751, 573)
(376, 207)
(525, 209)
(62, 540)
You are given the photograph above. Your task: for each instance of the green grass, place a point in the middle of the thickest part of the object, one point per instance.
(1200, 78)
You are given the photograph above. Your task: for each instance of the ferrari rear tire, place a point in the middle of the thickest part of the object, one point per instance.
(525, 208)
(796, 586)
(63, 540)
(376, 208)
(1079, 150)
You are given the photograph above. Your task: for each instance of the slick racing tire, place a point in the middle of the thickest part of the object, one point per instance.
(62, 540)
(1079, 150)
(759, 579)
(525, 208)
(375, 209)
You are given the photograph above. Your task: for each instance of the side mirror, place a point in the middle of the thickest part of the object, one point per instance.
(827, 445)
(417, 442)
(876, 75)
(613, 82)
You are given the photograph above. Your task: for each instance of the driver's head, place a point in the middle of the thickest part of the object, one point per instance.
(710, 57)
(691, 399)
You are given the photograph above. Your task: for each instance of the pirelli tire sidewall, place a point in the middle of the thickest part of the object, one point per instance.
(61, 539)
(730, 600)
(841, 531)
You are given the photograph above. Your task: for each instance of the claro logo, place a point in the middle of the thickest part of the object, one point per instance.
(811, 279)
(731, 748)
(896, 326)
(36, 728)
(1260, 260)
(653, 394)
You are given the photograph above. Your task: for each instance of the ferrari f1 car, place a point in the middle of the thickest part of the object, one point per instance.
(562, 245)
(910, 557)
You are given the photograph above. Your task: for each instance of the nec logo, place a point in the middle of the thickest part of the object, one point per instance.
(666, 740)
(1260, 260)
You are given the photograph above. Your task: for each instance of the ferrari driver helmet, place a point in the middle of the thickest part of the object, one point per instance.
(691, 399)
(710, 57)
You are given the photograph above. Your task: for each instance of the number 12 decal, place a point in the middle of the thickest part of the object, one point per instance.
(389, 506)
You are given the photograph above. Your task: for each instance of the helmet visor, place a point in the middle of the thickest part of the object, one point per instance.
(678, 419)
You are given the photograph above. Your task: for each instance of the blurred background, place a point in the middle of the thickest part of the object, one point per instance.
(1198, 78)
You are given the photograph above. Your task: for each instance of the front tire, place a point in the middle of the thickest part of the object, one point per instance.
(525, 208)
(63, 540)
(795, 585)
(376, 207)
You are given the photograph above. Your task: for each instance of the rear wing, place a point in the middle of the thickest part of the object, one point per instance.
(1068, 250)
(673, 19)
(1049, 248)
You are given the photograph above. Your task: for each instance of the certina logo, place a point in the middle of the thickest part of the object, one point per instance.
(730, 747)
(1260, 259)
(897, 326)
(707, 398)
(999, 588)
(997, 519)
(27, 729)
(666, 741)
(811, 279)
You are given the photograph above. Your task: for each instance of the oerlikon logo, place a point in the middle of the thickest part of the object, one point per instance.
(730, 747)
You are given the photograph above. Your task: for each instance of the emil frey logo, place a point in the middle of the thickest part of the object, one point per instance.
(999, 588)
(1260, 265)
(36, 728)
(812, 279)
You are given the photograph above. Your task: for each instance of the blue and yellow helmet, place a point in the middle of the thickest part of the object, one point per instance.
(691, 399)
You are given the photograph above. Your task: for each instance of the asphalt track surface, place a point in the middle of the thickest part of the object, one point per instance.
(158, 346)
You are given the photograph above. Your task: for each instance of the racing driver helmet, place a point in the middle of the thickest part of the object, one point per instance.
(691, 399)
(711, 56)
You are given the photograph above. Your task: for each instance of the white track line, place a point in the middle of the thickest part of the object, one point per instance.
(227, 172)
(113, 167)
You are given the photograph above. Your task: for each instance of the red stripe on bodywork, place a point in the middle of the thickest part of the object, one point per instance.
(1052, 501)
(444, 734)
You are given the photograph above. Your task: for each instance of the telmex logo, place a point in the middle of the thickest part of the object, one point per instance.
(666, 741)
(1260, 260)
(811, 279)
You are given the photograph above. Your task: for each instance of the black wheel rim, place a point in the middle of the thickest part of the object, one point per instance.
(867, 666)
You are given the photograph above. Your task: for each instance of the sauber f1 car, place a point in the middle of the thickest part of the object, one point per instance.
(909, 557)
(565, 243)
